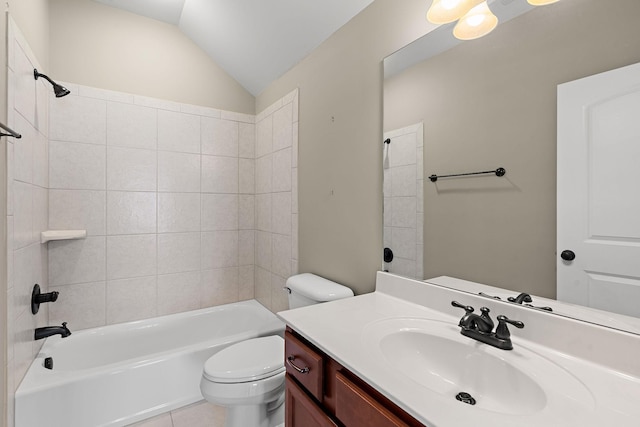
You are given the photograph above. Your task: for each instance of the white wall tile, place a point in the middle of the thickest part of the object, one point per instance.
(178, 252)
(178, 132)
(247, 141)
(246, 212)
(264, 137)
(246, 282)
(404, 242)
(263, 249)
(219, 174)
(294, 237)
(25, 86)
(77, 261)
(82, 306)
(24, 278)
(78, 210)
(23, 214)
(281, 255)
(10, 177)
(131, 299)
(219, 212)
(41, 161)
(247, 184)
(403, 212)
(77, 166)
(281, 213)
(264, 212)
(23, 150)
(262, 289)
(78, 119)
(279, 297)
(131, 256)
(220, 137)
(282, 170)
(43, 91)
(403, 181)
(131, 169)
(178, 292)
(178, 172)
(131, 126)
(40, 212)
(10, 247)
(219, 286)
(294, 190)
(246, 247)
(131, 212)
(219, 249)
(178, 212)
(283, 127)
(264, 174)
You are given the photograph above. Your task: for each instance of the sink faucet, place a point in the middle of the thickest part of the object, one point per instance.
(48, 331)
(526, 298)
(479, 327)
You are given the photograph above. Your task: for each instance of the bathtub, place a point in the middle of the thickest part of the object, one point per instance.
(120, 374)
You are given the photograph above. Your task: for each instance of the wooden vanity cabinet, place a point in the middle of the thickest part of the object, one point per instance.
(322, 393)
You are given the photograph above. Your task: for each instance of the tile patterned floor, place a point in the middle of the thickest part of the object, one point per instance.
(201, 414)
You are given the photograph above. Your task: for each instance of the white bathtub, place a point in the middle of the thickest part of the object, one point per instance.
(116, 375)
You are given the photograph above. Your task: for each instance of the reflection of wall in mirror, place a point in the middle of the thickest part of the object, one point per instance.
(492, 102)
(403, 189)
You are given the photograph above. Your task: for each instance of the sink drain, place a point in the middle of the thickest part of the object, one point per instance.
(465, 397)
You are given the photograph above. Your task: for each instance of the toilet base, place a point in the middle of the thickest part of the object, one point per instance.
(254, 416)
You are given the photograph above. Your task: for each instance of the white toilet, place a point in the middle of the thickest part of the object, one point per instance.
(248, 377)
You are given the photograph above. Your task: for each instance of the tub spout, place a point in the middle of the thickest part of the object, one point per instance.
(47, 331)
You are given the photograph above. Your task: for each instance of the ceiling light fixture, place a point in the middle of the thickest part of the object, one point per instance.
(474, 17)
(476, 23)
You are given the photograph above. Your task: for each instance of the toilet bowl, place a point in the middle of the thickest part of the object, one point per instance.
(248, 377)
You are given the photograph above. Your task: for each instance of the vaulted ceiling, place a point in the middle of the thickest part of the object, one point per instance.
(255, 41)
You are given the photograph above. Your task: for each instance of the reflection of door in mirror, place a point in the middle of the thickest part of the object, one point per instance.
(403, 196)
(598, 198)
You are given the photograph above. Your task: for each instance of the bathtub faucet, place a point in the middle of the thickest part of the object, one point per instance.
(47, 331)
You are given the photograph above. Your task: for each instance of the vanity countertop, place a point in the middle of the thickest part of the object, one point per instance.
(588, 393)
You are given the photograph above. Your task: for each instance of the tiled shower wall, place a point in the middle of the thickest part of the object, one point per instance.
(403, 200)
(276, 200)
(166, 192)
(27, 182)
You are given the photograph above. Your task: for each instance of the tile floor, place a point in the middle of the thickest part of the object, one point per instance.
(200, 414)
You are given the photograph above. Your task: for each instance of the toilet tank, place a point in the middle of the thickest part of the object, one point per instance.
(306, 289)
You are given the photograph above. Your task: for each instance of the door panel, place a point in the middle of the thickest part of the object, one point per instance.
(598, 190)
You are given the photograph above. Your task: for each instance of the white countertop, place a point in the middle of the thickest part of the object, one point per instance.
(340, 328)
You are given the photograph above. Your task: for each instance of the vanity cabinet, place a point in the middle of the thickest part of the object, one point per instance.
(322, 393)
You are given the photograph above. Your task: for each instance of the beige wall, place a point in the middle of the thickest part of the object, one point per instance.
(491, 103)
(340, 146)
(100, 46)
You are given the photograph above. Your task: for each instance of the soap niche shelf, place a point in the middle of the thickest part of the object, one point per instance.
(49, 235)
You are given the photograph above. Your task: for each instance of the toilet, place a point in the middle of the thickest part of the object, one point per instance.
(248, 377)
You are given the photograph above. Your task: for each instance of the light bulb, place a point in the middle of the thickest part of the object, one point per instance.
(445, 11)
(478, 22)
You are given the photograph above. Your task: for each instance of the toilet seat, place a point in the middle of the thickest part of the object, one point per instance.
(246, 361)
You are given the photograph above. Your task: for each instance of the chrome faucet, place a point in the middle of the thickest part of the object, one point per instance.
(480, 327)
(48, 331)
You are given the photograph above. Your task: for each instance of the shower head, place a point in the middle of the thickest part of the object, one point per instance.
(59, 90)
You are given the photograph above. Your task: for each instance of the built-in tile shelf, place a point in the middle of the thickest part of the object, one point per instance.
(48, 235)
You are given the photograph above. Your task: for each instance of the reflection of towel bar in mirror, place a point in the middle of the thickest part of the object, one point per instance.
(12, 132)
(498, 172)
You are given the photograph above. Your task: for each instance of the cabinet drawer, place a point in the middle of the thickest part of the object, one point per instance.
(355, 407)
(304, 364)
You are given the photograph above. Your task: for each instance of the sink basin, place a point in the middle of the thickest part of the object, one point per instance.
(436, 357)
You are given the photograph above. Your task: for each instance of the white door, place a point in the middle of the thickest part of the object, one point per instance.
(599, 191)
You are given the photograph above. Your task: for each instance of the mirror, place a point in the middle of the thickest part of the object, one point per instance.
(491, 103)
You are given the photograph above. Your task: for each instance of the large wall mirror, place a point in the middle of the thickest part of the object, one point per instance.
(492, 103)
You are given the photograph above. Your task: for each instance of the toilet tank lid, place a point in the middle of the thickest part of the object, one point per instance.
(317, 288)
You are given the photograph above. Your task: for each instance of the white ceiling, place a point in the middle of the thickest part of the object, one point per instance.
(255, 41)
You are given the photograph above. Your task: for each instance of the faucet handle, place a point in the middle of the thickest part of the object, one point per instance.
(466, 308)
(502, 331)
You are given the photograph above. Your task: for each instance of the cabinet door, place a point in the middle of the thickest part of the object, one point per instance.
(302, 411)
(356, 408)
